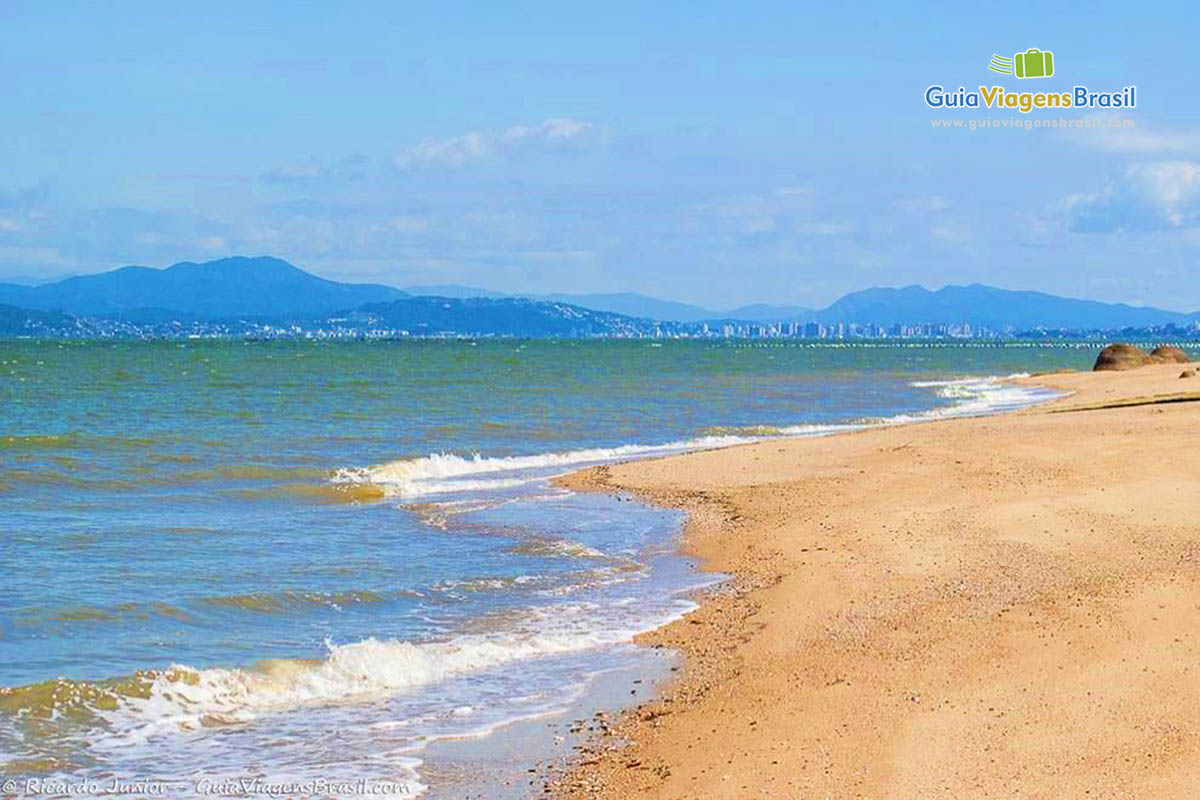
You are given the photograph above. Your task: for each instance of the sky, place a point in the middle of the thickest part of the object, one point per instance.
(742, 153)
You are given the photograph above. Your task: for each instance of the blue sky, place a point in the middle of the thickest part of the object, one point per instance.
(750, 153)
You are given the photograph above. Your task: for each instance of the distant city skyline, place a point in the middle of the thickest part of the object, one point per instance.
(773, 154)
(655, 310)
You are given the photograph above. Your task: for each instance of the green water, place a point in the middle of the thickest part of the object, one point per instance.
(374, 518)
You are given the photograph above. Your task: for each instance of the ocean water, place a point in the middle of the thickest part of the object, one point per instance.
(305, 561)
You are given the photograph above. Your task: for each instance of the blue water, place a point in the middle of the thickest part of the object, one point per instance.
(309, 559)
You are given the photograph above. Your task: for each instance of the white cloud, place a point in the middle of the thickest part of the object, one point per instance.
(815, 228)
(560, 129)
(350, 168)
(407, 224)
(743, 216)
(922, 204)
(45, 262)
(1160, 195)
(475, 146)
(1123, 135)
(955, 232)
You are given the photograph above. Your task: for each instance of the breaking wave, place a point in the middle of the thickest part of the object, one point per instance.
(449, 473)
(160, 703)
(183, 698)
(443, 473)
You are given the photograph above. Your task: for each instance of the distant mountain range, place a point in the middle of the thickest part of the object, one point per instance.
(493, 316)
(630, 304)
(224, 289)
(995, 308)
(269, 287)
(269, 290)
(15, 321)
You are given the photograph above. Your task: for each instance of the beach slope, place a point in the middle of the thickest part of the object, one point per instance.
(995, 607)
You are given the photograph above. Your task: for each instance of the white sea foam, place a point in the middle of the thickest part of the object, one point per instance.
(335, 688)
(448, 473)
(185, 699)
(979, 396)
(443, 473)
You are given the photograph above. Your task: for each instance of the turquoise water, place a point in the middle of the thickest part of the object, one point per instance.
(308, 559)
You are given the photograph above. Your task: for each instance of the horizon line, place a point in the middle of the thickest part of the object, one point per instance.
(541, 294)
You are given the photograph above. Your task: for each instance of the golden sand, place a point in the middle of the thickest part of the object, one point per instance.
(996, 607)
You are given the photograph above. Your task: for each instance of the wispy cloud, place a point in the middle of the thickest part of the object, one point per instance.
(921, 204)
(744, 216)
(1139, 138)
(1161, 195)
(824, 228)
(476, 146)
(350, 168)
(406, 223)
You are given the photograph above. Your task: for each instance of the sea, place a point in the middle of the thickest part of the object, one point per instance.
(311, 561)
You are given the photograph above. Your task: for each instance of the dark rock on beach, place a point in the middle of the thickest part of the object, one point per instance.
(1118, 357)
(1168, 355)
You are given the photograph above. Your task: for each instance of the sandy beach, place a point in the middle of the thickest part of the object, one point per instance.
(993, 607)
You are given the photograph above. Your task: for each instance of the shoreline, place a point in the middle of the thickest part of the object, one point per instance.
(863, 615)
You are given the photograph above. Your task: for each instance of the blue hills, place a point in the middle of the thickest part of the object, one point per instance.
(629, 304)
(265, 287)
(228, 288)
(272, 290)
(977, 305)
(490, 316)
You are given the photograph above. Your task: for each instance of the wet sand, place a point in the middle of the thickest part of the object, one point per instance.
(997, 607)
